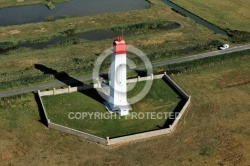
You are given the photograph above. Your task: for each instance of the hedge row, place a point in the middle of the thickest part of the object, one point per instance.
(142, 26)
(207, 61)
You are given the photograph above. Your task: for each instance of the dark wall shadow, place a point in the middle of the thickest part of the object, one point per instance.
(42, 116)
(141, 73)
(174, 114)
(177, 109)
(169, 72)
(174, 89)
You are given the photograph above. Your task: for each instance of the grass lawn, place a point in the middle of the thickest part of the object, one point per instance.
(12, 3)
(230, 14)
(215, 130)
(161, 98)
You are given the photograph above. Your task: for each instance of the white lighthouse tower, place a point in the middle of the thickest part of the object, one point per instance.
(118, 82)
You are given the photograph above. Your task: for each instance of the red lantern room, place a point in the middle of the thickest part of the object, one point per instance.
(119, 46)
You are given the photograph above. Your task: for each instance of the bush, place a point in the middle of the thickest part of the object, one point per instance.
(50, 5)
(215, 43)
(70, 41)
(142, 26)
(206, 61)
(69, 32)
(7, 45)
(239, 36)
(205, 152)
(19, 50)
(39, 39)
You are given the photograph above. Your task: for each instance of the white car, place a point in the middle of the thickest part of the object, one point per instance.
(224, 46)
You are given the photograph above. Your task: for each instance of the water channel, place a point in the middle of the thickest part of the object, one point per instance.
(195, 18)
(37, 13)
(91, 35)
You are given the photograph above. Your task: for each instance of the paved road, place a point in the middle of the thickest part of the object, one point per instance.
(199, 56)
(88, 77)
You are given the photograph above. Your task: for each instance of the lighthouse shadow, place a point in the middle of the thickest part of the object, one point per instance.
(59, 75)
(94, 94)
(70, 81)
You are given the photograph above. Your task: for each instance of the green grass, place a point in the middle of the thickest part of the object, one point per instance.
(13, 3)
(62, 57)
(7, 45)
(215, 130)
(203, 63)
(142, 26)
(161, 98)
(228, 14)
(50, 5)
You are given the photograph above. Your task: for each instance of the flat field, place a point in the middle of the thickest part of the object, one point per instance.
(161, 98)
(215, 130)
(17, 67)
(230, 14)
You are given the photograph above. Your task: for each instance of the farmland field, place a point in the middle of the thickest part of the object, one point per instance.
(77, 57)
(215, 130)
(229, 14)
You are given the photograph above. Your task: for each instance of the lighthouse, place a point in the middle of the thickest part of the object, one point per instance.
(118, 79)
